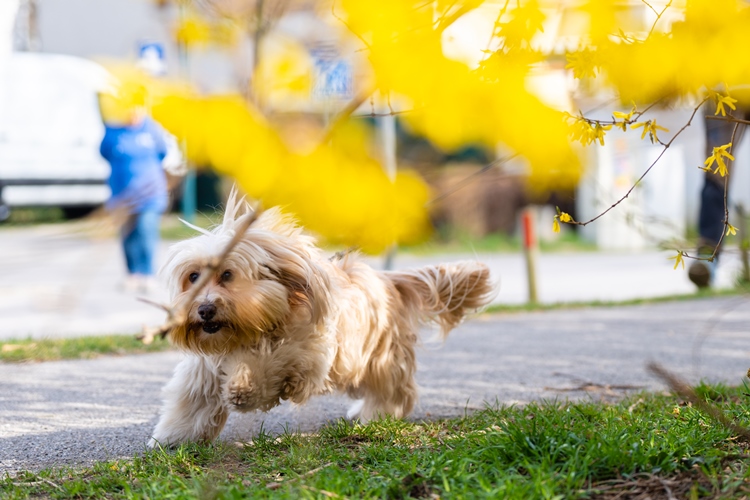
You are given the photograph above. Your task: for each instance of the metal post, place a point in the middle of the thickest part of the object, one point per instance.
(188, 205)
(530, 250)
(387, 126)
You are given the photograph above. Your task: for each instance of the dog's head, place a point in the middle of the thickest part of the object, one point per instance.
(271, 278)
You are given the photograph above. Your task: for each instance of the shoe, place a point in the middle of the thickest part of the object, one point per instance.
(130, 284)
(148, 285)
(701, 273)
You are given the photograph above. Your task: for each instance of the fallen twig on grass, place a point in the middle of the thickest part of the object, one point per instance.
(178, 313)
(40, 481)
(277, 485)
(682, 389)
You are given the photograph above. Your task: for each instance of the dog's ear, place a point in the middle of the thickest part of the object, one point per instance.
(307, 283)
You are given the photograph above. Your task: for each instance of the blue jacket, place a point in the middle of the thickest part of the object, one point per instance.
(135, 154)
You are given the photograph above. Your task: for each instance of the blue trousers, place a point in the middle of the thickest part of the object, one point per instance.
(140, 237)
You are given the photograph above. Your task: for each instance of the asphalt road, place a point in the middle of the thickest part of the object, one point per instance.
(75, 412)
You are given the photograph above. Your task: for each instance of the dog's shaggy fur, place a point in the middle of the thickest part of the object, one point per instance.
(281, 322)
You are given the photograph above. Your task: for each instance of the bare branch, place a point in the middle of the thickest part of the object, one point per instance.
(275, 486)
(726, 202)
(163, 307)
(637, 182)
(682, 389)
(342, 21)
(177, 314)
(345, 113)
(658, 16)
(729, 118)
(466, 180)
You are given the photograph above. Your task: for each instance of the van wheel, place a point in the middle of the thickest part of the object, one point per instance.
(77, 212)
(4, 212)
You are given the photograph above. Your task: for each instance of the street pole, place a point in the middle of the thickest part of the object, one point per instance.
(188, 202)
(387, 129)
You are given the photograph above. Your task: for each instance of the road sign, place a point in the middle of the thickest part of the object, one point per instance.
(151, 58)
(333, 76)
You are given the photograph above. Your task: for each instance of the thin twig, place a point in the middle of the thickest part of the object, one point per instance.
(682, 389)
(670, 495)
(342, 21)
(463, 182)
(447, 20)
(494, 28)
(726, 202)
(275, 485)
(637, 182)
(40, 481)
(325, 493)
(176, 315)
(345, 113)
(658, 16)
(729, 118)
(146, 300)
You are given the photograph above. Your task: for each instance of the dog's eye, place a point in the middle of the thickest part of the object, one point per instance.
(193, 277)
(226, 276)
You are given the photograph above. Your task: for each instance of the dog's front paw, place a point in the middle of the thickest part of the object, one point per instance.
(294, 389)
(240, 394)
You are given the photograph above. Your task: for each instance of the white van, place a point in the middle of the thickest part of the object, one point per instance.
(50, 131)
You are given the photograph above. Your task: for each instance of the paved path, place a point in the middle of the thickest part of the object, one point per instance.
(74, 412)
(54, 283)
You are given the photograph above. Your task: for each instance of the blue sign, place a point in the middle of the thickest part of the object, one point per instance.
(151, 58)
(333, 77)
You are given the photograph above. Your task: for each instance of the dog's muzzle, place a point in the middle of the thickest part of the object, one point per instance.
(207, 313)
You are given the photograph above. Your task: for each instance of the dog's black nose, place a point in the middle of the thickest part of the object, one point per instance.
(206, 311)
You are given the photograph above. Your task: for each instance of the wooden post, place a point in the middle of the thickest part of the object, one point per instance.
(530, 250)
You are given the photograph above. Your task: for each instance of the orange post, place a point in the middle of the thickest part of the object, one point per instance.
(530, 250)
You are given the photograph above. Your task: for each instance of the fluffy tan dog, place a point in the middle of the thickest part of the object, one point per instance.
(280, 322)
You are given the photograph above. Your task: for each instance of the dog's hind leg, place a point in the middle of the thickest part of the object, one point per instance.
(193, 409)
(388, 387)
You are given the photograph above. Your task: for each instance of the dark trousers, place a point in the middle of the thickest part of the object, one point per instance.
(711, 215)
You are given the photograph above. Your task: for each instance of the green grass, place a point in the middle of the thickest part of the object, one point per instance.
(23, 216)
(452, 241)
(698, 294)
(547, 450)
(30, 350)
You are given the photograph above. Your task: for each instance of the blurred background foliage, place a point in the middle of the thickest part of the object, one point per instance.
(298, 135)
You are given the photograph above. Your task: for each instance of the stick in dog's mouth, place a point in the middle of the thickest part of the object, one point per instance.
(209, 327)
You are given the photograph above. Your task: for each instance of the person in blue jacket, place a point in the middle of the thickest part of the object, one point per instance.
(135, 152)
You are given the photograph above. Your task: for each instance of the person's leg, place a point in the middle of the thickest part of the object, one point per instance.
(711, 212)
(130, 244)
(146, 239)
(149, 233)
(131, 250)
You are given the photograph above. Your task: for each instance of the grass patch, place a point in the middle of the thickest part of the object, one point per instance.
(643, 445)
(453, 241)
(30, 350)
(698, 294)
(22, 216)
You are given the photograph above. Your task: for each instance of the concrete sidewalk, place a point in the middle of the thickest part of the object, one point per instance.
(54, 283)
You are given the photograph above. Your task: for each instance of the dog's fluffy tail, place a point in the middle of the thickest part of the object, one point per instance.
(445, 293)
